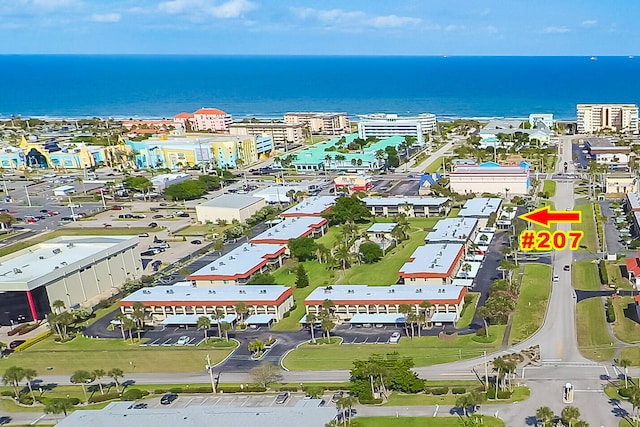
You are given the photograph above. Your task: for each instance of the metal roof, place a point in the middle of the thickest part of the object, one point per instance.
(219, 294)
(480, 207)
(382, 227)
(240, 261)
(232, 201)
(346, 293)
(432, 258)
(452, 230)
(311, 206)
(259, 319)
(290, 228)
(444, 317)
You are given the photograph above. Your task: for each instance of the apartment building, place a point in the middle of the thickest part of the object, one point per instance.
(322, 123)
(211, 119)
(433, 264)
(387, 125)
(410, 206)
(616, 117)
(282, 134)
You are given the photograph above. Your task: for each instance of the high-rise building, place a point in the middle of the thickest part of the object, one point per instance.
(325, 123)
(387, 125)
(282, 134)
(617, 117)
(211, 119)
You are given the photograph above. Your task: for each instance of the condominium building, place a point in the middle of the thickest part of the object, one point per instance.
(325, 123)
(453, 230)
(292, 228)
(433, 264)
(282, 134)
(605, 152)
(537, 119)
(409, 206)
(616, 117)
(211, 119)
(387, 125)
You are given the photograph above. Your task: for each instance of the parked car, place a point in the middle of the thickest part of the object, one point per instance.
(168, 398)
(43, 211)
(143, 235)
(336, 396)
(148, 253)
(116, 208)
(183, 340)
(13, 344)
(196, 242)
(157, 217)
(556, 278)
(153, 225)
(282, 397)
(138, 406)
(395, 337)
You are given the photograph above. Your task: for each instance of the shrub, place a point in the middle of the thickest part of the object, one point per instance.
(468, 298)
(286, 314)
(335, 387)
(427, 390)
(370, 401)
(28, 343)
(604, 276)
(504, 394)
(439, 391)
(26, 399)
(458, 390)
(96, 398)
(625, 392)
(74, 400)
(482, 332)
(289, 388)
(491, 393)
(134, 394)
(7, 393)
(611, 313)
(27, 328)
(251, 388)
(176, 390)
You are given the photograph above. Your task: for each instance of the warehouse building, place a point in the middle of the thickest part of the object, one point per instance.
(73, 269)
(229, 207)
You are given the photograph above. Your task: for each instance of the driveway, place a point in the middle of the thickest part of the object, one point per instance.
(611, 235)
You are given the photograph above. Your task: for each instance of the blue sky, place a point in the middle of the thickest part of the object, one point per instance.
(327, 27)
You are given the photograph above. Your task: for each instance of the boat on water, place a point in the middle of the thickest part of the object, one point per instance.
(593, 58)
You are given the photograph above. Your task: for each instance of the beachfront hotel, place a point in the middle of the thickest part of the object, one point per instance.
(387, 125)
(321, 123)
(616, 117)
(211, 119)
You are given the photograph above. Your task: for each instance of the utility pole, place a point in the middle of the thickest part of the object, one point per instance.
(486, 371)
(26, 190)
(210, 369)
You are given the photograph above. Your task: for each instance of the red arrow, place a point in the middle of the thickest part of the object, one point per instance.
(544, 216)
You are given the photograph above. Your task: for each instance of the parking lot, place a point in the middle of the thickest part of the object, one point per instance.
(233, 400)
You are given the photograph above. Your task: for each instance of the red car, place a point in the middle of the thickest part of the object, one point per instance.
(116, 208)
(31, 220)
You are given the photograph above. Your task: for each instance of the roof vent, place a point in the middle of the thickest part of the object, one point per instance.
(70, 245)
(246, 249)
(63, 263)
(17, 271)
(56, 251)
(211, 291)
(221, 263)
(213, 268)
(169, 291)
(232, 257)
(41, 257)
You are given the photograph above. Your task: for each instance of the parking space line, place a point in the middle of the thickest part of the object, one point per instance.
(204, 401)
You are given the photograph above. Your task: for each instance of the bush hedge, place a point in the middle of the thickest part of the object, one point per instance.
(438, 391)
(611, 313)
(97, 398)
(504, 394)
(31, 341)
(458, 390)
(134, 394)
(625, 392)
(604, 276)
(7, 393)
(370, 401)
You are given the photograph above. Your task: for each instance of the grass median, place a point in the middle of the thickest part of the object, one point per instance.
(468, 310)
(594, 340)
(624, 328)
(49, 357)
(399, 399)
(632, 354)
(585, 276)
(532, 302)
(446, 421)
(549, 188)
(425, 351)
(588, 226)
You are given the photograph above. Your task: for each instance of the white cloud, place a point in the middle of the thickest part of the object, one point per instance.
(105, 17)
(226, 10)
(555, 30)
(589, 22)
(355, 19)
(452, 27)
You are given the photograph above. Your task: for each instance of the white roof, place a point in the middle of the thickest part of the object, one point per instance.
(259, 319)
(397, 201)
(231, 201)
(444, 317)
(222, 295)
(633, 200)
(475, 266)
(452, 230)
(480, 207)
(479, 241)
(311, 206)
(409, 293)
(240, 261)
(382, 227)
(47, 261)
(277, 193)
(192, 319)
(433, 258)
(462, 282)
(290, 228)
(159, 179)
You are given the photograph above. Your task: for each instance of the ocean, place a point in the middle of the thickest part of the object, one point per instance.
(151, 86)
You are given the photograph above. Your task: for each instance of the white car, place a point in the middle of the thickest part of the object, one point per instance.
(395, 337)
(556, 278)
(183, 340)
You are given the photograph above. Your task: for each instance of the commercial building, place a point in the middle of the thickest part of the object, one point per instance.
(387, 125)
(616, 117)
(229, 207)
(453, 230)
(536, 119)
(632, 202)
(292, 228)
(188, 302)
(237, 266)
(620, 183)
(353, 182)
(312, 206)
(118, 413)
(433, 264)
(162, 181)
(282, 134)
(481, 208)
(605, 152)
(75, 270)
(204, 119)
(491, 177)
(410, 206)
(323, 123)
(161, 124)
(180, 150)
(381, 304)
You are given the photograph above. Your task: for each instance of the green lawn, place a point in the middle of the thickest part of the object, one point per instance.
(435, 166)
(398, 399)
(194, 230)
(445, 421)
(585, 276)
(453, 213)
(425, 351)
(532, 302)
(631, 353)
(552, 226)
(89, 354)
(615, 276)
(588, 225)
(549, 187)
(624, 328)
(468, 311)
(594, 341)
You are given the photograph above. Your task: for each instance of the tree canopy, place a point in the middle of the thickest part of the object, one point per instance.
(347, 209)
(382, 373)
(261, 279)
(186, 190)
(138, 182)
(370, 252)
(303, 248)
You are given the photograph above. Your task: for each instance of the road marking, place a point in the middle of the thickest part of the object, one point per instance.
(39, 418)
(204, 400)
(189, 402)
(606, 371)
(435, 413)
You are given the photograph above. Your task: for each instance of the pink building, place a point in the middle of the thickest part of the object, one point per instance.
(212, 119)
(185, 121)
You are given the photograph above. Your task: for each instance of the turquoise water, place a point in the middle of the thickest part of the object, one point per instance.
(261, 86)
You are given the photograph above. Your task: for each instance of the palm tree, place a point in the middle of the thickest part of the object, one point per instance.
(570, 414)
(204, 322)
(498, 364)
(30, 375)
(328, 306)
(119, 317)
(256, 346)
(116, 373)
(624, 364)
(545, 414)
(311, 321)
(58, 406)
(484, 313)
(327, 325)
(466, 269)
(82, 377)
(345, 404)
(463, 401)
(225, 327)
(342, 255)
(58, 306)
(405, 309)
(139, 313)
(129, 324)
(12, 376)
(241, 309)
(98, 374)
(634, 399)
(218, 314)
